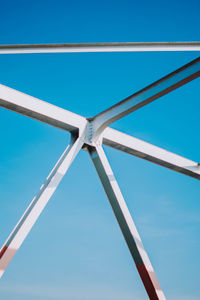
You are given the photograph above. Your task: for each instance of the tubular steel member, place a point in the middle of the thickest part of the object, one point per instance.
(126, 223)
(100, 47)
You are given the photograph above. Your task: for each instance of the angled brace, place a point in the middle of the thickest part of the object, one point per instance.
(131, 145)
(126, 223)
(38, 203)
(145, 96)
(40, 110)
(92, 135)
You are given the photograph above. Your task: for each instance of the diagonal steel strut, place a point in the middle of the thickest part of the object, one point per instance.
(40, 110)
(38, 203)
(126, 223)
(92, 132)
(66, 120)
(145, 96)
(131, 145)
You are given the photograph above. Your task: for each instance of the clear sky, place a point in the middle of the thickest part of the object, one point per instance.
(76, 250)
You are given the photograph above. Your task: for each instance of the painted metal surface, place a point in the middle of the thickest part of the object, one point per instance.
(145, 96)
(100, 47)
(37, 205)
(90, 133)
(40, 110)
(131, 145)
(126, 223)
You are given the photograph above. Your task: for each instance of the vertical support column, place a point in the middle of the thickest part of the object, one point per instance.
(126, 224)
(37, 205)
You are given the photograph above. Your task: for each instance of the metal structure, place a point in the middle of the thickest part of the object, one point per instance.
(90, 134)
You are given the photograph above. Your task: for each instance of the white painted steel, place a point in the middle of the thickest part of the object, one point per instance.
(91, 133)
(100, 47)
(38, 203)
(145, 96)
(134, 146)
(40, 110)
(61, 118)
(126, 223)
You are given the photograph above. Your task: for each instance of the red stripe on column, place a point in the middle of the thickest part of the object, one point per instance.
(150, 281)
(3, 250)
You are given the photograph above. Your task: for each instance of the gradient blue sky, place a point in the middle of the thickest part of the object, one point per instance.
(76, 250)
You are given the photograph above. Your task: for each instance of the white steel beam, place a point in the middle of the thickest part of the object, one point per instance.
(126, 224)
(40, 110)
(148, 94)
(38, 203)
(61, 118)
(100, 47)
(136, 147)
(91, 132)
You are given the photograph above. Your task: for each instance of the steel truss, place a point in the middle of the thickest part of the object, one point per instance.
(90, 134)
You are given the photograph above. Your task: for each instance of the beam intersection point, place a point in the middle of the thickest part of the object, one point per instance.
(91, 134)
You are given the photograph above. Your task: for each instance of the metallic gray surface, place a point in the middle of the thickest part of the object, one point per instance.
(100, 47)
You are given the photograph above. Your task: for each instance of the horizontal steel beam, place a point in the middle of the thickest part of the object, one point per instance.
(136, 147)
(40, 110)
(145, 96)
(100, 47)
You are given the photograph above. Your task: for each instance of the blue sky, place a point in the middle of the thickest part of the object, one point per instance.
(76, 250)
